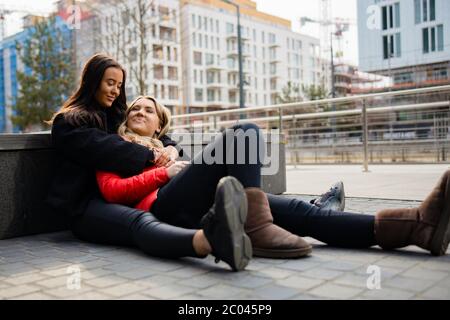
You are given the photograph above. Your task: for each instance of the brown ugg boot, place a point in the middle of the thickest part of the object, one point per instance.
(269, 240)
(427, 226)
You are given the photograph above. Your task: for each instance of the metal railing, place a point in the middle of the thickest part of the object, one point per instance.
(399, 126)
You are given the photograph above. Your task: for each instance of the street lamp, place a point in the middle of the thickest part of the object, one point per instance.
(241, 75)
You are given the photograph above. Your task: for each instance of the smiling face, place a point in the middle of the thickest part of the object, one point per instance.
(110, 86)
(143, 118)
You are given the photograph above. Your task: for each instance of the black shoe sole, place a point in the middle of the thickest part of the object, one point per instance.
(342, 199)
(234, 215)
(282, 254)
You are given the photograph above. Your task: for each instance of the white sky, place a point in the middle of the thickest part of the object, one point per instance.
(288, 9)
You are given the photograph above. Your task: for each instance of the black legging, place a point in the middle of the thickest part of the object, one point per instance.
(119, 225)
(339, 229)
(189, 195)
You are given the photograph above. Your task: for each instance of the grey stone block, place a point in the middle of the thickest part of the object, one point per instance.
(26, 178)
(221, 291)
(171, 291)
(334, 291)
(388, 294)
(275, 292)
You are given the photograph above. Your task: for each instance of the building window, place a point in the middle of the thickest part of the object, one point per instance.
(230, 28)
(391, 16)
(199, 95)
(433, 39)
(392, 46)
(197, 58)
(173, 93)
(209, 59)
(398, 45)
(432, 10)
(425, 41)
(272, 38)
(440, 37)
(418, 12)
(158, 72)
(425, 10)
(173, 73)
(403, 78)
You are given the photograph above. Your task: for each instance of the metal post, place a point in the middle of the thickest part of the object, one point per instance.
(333, 84)
(365, 136)
(333, 92)
(241, 73)
(280, 120)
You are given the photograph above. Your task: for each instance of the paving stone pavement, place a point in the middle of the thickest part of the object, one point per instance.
(58, 266)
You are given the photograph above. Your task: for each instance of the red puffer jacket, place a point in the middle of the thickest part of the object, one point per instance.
(139, 191)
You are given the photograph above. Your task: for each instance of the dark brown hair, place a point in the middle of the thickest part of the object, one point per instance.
(82, 108)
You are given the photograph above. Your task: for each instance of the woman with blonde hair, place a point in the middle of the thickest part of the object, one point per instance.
(181, 198)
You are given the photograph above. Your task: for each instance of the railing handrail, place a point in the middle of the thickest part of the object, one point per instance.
(315, 102)
(316, 115)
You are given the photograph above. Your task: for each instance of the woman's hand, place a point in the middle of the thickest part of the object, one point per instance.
(173, 152)
(162, 157)
(175, 168)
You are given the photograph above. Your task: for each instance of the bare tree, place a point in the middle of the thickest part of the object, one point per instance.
(130, 25)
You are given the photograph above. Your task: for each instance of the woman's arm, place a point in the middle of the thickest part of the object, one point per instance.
(94, 148)
(169, 142)
(129, 191)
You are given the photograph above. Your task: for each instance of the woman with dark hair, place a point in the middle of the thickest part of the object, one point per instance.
(84, 133)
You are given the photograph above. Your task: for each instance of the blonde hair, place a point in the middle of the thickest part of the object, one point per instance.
(164, 116)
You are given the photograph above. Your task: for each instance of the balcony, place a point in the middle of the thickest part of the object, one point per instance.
(214, 67)
(274, 45)
(233, 36)
(216, 85)
(216, 103)
(235, 54)
(168, 22)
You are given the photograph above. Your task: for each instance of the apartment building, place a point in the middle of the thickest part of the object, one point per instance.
(407, 40)
(272, 55)
(11, 63)
(145, 37)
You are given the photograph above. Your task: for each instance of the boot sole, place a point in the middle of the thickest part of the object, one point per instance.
(235, 213)
(441, 238)
(342, 199)
(282, 254)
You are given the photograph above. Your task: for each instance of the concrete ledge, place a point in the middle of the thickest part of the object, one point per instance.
(27, 163)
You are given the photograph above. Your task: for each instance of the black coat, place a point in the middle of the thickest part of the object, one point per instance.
(84, 150)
